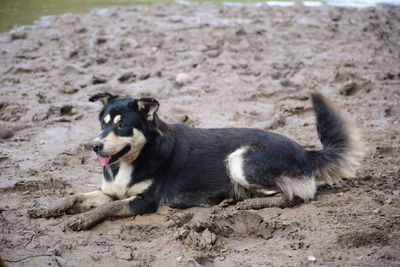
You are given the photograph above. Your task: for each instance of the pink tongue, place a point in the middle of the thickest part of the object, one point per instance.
(104, 160)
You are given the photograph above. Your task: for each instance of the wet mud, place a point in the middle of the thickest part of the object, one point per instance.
(209, 66)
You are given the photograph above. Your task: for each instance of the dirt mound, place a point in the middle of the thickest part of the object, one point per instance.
(362, 239)
(207, 227)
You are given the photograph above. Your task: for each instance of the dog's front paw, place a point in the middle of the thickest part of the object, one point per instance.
(244, 205)
(260, 203)
(57, 209)
(39, 213)
(79, 223)
(76, 223)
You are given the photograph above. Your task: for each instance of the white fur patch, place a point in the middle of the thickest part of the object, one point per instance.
(137, 142)
(140, 187)
(119, 186)
(107, 119)
(267, 192)
(113, 144)
(117, 119)
(303, 187)
(235, 166)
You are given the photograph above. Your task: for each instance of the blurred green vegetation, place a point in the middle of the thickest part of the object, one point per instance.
(25, 12)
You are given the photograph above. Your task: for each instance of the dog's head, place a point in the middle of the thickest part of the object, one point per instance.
(127, 125)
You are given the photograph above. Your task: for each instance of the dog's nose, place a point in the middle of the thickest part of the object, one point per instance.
(97, 146)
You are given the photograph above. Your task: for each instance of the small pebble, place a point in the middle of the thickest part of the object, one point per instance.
(376, 211)
(183, 78)
(311, 258)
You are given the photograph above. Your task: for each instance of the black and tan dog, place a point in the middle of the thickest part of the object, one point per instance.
(148, 163)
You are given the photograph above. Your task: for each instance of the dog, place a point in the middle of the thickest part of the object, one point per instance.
(148, 163)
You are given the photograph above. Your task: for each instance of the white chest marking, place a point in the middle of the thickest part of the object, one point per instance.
(119, 186)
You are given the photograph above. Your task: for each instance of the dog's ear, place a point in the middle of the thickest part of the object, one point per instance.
(105, 98)
(147, 106)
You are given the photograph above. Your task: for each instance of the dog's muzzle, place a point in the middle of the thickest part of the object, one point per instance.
(105, 159)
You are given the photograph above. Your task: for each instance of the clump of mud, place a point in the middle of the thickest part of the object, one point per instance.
(204, 229)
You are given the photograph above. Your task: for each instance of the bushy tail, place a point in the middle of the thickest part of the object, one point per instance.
(343, 148)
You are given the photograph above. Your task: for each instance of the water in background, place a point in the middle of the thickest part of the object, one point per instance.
(25, 12)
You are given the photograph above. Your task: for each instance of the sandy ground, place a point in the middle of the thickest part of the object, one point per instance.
(246, 66)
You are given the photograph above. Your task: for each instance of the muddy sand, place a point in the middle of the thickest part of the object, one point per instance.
(246, 66)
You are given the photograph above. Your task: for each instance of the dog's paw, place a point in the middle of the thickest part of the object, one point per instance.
(39, 213)
(244, 205)
(59, 208)
(226, 202)
(78, 223)
(260, 203)
(46, 212)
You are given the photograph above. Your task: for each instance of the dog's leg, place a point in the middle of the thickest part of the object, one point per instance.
(260, 203)
(74, 204)
(88, 201)
(121, 208)
(268, 202)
